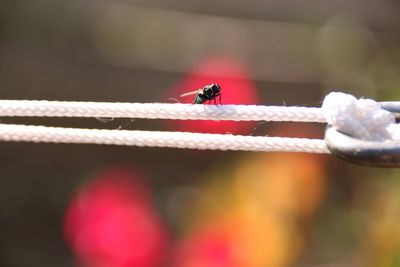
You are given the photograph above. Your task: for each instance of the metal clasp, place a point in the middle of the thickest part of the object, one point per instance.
(368, 153)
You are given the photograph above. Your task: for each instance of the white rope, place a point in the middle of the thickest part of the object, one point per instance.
(29, 133)
(362, 119)
(35, 108)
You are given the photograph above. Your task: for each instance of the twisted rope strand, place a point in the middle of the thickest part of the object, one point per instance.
(42, 108)
(362, 118)
(29, 133)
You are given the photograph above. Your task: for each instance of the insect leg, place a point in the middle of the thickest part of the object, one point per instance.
(204, 104)
(219, 98)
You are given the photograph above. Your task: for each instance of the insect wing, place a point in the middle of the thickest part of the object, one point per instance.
(192, 93)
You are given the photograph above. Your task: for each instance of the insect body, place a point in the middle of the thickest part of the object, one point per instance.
(207, 93)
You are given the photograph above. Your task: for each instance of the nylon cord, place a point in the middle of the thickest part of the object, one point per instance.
(29, 133)
(362, 118)
(42, 108)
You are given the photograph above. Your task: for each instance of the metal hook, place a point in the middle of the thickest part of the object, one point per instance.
(393, 107)
(377, 154)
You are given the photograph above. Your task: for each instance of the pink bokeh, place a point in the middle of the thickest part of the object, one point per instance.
(212, 245)
(111, 222)
(237, 88)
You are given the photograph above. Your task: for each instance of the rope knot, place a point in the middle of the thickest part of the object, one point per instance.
(360, 118)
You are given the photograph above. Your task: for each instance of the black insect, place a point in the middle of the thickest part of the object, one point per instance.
(207, 93)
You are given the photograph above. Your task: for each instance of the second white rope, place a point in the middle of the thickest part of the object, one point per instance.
(30, 133)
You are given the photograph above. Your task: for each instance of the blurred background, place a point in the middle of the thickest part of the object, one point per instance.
(109, 206)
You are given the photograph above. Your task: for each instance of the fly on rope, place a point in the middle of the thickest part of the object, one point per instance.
(364, 119)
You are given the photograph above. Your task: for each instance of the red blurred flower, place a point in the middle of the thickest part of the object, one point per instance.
(211, 246)
(237, 88)
(111, 222)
